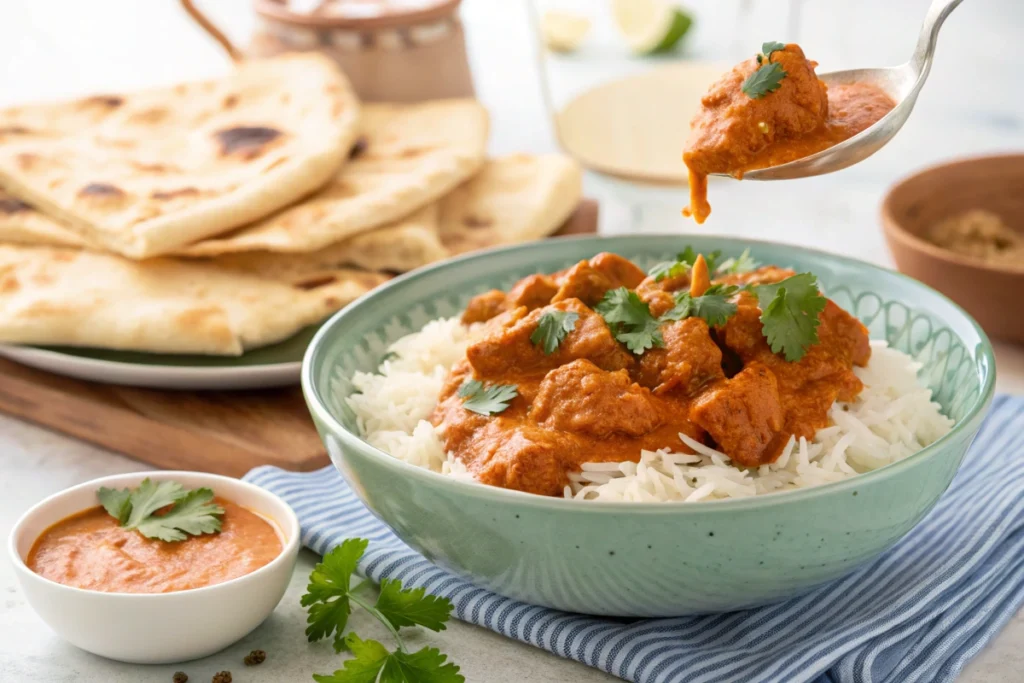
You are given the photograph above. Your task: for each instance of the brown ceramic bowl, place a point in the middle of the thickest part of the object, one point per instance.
(993, 294)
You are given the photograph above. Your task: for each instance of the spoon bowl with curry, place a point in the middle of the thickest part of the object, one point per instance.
(773, 118)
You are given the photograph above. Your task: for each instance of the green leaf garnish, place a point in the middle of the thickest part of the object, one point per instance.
(552, 328)
(486, 400)
(713, 306)
(117, 503)
(470, 387)
(630, 320)
(689, 257)
(665, 269)
(767, 79)
(789, 314)
(373, 663)
(412, 606)
(328, 592)
(772, 46)
(185, 513)
(329, 598)
(743, 263)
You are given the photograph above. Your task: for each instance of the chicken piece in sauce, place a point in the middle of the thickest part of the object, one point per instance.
(592, 400)
(734, 132)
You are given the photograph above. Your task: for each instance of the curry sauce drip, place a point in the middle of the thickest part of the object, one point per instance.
(734, 133)
(594, 401)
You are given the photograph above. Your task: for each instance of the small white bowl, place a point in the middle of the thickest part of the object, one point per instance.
(157, 628)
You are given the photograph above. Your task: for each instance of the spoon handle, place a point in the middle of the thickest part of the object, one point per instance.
(921, 62)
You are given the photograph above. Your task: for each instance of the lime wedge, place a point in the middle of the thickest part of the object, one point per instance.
(650, 26)
(563, 31)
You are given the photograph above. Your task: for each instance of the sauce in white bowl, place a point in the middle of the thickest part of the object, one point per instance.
(157, 627)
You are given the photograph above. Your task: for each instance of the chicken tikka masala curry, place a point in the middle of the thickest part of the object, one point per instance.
(601, 360)
(769, 110)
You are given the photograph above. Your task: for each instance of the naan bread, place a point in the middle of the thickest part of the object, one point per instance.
(70, 297)
(513, 199)
(398, 247)
(409, 156)
(143, 174)
(517, 198)
(22, 224)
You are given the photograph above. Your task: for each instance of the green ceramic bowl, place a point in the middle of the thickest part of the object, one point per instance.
(662, 559)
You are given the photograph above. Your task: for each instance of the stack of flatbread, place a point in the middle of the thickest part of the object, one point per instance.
(225, 215)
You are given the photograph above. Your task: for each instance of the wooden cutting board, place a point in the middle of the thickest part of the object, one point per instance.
(222, 432)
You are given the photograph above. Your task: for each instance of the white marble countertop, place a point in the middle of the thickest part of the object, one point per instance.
(52, 48)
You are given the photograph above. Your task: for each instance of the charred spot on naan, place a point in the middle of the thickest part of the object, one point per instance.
(107, 101)
(359, 147)
(101, 190)
(247, 142)
(476, 222)
(12, 205)
(174, 194)
(315, 282)
(14, 130)
(230, 101)
(9, 285)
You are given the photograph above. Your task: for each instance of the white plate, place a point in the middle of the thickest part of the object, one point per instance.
(279, 365)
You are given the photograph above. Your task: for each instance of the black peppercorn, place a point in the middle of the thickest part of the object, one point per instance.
(180, 677)
(222, 677)
(255, 657)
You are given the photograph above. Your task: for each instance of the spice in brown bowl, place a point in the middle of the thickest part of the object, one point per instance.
(959, 227)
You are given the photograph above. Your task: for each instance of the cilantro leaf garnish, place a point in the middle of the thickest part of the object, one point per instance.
(713, 306)
(789, 314)
(552, 328)
(373, 663)
(117, 503)
(641, 338)
(486, 400)
(743, 263)
(329, 598)
(689, 257)
(194, 514)
(470, 387)
(767, 79)
(630, 320)
(412, 606)
(624, 306)
(665, 269)
(772, 46)
(184, 513)
(327, 594)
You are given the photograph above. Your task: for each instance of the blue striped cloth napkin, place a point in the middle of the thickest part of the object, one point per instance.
(918, 613)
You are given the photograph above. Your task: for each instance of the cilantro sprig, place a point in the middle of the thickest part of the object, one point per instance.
(329, 598)
(713, 306)
(486, 400)
(768, 76)
(790, 312)
(630, 320)
(683, 263)
(163, 510)
(744, 263)
(552, 328)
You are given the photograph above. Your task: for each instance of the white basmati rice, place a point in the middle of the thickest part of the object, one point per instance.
(892, 418)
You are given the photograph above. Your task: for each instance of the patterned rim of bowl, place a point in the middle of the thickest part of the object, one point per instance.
(350, 440)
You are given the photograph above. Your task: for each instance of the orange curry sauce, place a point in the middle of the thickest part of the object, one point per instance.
(593, 400)
(89, 550)
(734, 133)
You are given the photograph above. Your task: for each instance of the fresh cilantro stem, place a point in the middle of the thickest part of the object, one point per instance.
(384, 620)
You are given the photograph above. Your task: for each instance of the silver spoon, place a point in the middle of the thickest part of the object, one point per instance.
(902, 83)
